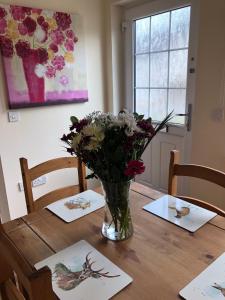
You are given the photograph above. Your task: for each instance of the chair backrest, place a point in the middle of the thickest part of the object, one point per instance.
(197, 171)
(46, 167)
(33, 284)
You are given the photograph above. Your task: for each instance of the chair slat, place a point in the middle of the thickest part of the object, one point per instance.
(197, 171)
(56, 195)
(53, 165)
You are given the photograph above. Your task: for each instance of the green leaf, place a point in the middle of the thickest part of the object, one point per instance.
(74, 120)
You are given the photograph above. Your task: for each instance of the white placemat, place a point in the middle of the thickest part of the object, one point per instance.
(210, 284)
(81, 272)
(179, 212)
(75, 207)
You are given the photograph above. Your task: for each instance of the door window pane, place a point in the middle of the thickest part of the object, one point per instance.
(160, 32)
(142, 102)
(176, 103)
(159, 69)
(158, 104)
(142, 34)
(142, 70)
(179, 35)
(160, 64)
(178, 69)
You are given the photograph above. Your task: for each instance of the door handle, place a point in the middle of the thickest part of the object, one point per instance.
(188, 116)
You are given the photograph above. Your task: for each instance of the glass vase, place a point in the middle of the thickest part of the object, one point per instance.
(117, 223)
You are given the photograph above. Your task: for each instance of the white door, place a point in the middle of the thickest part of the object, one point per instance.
(160, 70)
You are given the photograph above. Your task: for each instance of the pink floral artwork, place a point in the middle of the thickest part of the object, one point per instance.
(43, 55)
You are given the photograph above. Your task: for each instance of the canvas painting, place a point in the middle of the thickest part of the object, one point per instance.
(75, 207)
(179, 212)
(209, 285)
(81, 272)
(43, 56)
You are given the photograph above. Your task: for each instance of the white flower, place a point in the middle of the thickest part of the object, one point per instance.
(96, 135)
(40, 34)
(126, 119)
(76, 141)
(40, 70)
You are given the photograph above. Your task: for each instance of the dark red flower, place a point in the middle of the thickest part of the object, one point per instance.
(40, 20)
(27, 10)
(54, 47)
(79, 125)
(3, 12)
(146, 126)
(45, 26)
(70, 34)
(30, 24)
(134, 167)
(22, 48)
(17, 12)
(42, 55)
(63, 20)
(75, 39)
(6, 47)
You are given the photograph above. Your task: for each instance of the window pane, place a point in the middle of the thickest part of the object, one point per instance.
(158, 104)
(142, 35)
(180, 20)
(160, 32)
(142, 70)
(177, 100)
(142, 102)
(178, 69)
(159, 69)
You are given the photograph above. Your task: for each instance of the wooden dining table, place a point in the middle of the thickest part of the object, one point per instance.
(161, 257)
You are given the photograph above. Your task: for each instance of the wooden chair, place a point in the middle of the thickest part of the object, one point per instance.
(49, 166)
(196, 171)
(34, 285)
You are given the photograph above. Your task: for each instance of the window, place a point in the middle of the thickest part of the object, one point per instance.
(160, 64)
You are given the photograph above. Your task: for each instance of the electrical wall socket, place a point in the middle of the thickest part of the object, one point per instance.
(13, 116)
(39, 181)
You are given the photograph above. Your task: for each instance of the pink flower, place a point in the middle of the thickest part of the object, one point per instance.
(22, 48)
(17, 12)
(42, 55)
(57, 37)
(134, 167)
(54, 47)
(36, 11)
(40, 20)
(6, 47)
(22, 29)
(69, 44)
(70, 34)
(63, 20)
(30, 24)
(50, 72)
(3, 25)
(58, 62)
(64, 80)
(3, 12)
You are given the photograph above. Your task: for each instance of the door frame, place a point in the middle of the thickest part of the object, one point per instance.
(148, 9)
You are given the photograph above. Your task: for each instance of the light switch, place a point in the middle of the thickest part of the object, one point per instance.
(14, 116)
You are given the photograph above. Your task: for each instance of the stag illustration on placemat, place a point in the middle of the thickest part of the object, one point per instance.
(67, 279)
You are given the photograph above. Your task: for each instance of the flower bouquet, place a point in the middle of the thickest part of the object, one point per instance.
(111, 147)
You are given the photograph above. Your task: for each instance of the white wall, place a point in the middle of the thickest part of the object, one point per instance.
(208, 145)
(37, 135)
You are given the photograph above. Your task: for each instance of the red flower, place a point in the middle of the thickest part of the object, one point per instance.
(50, 72)
(146, 126)
(42, 55)
(27, 10)
(17, 12)
(3, 25)
(44, 26)
(63, 20)
(3, 12)
(58, 62)
(134, 167)
(6, 46)
(69, 45)
(22, 48)
(40, 20)
(70, 34)
(22, 29)
(30, 24)
(54, 47)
